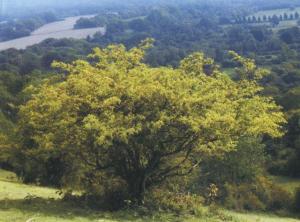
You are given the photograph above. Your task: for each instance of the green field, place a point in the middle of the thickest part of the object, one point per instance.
(278, 12)
(28, 203)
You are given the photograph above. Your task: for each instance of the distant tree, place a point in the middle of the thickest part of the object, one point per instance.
(269, 18)
(115, 27)
(275, 20)
(296, 15)
(285, 16)
(254, 20)
(259, 19)
(49, 57)
(89, 38)
(139, 25)
(291, 17)
(264, 18)
(258, 33)
(85, 23)
(244, 20)
(281, 18)
(238, 20)
(290, 35)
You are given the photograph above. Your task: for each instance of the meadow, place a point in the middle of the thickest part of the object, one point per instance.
(30, 203)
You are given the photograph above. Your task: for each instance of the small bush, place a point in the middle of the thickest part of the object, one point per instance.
(261, 195)
(280, 199)
(297, 201)
(242, 197)
(177, 202)
(112, 201)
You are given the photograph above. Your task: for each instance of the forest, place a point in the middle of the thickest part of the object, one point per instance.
(188, 109)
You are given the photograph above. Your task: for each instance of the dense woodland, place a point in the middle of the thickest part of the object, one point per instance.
(151, 121)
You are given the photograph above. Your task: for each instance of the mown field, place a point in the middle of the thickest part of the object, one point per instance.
(27, 203)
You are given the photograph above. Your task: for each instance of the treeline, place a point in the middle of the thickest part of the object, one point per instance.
(275, 19)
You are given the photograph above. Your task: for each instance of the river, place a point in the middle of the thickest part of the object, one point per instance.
(57, 30)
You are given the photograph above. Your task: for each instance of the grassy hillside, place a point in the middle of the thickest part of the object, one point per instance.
(26, 203)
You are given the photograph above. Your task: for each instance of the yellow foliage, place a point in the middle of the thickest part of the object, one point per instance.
(116, 108)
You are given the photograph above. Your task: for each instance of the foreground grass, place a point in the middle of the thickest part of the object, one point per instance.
(26, 203)
(260, 218)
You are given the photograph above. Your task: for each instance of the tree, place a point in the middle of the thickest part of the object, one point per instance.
(259, 20)
(264, 18)
(144, 125)
(269, 18)
(275, 20)
(280, 18)
(84, 23)
(258, 33)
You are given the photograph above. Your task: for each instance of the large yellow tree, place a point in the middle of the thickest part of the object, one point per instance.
(116, 114)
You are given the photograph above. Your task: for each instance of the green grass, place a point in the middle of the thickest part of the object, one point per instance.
(261, 218)
(29, 203)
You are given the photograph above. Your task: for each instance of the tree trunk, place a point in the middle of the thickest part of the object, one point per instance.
(137, 188)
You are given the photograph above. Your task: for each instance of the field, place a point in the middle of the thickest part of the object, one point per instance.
(277, 12)
(27, 203)
(285, 25)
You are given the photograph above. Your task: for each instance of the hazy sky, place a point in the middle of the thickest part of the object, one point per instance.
(21, 6)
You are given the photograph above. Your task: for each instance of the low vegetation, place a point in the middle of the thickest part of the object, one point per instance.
(20, 202)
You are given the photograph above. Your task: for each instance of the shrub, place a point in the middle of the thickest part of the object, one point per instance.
(177, 202)
(241, 197)
(297, 201)
(260, 195)
(280, 199)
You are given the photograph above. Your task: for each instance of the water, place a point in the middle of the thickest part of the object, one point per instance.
(57, 30)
